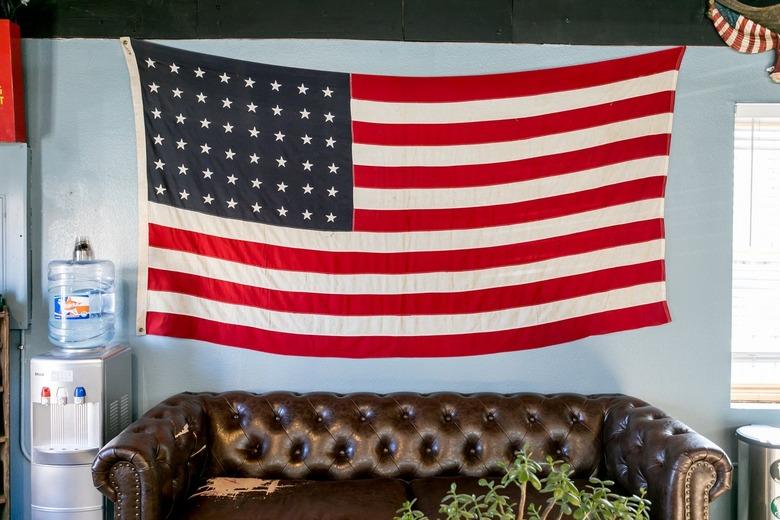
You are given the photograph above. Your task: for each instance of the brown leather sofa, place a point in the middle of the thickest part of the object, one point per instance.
(283, 456)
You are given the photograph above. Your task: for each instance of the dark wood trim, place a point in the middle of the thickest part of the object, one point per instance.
(602, 22)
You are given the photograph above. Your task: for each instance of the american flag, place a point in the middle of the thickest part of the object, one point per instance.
(319, 213)
(744, 35)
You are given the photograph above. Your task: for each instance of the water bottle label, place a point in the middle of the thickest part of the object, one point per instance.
(71, 307)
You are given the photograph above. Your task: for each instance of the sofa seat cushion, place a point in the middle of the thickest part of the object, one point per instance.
(226, 498)
(430, 491)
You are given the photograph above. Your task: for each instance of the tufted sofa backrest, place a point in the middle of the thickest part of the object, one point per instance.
(329, 436)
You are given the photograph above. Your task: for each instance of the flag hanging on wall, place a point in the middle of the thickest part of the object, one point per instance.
(330, 214)
(744, 34)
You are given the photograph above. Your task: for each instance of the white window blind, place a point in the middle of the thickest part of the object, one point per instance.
(755, 338)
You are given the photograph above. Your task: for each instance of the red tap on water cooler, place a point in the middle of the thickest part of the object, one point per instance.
(45, 395)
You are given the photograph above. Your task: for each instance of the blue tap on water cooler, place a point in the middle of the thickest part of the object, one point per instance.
(79, 395)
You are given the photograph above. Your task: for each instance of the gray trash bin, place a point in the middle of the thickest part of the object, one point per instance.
(758, 473)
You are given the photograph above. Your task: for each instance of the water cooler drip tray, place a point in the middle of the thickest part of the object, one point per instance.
(64, 456)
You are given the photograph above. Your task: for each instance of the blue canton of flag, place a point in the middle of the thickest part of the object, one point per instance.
(243, 140)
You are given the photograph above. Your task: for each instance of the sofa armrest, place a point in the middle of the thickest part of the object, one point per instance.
(682, 470)
(151, 465)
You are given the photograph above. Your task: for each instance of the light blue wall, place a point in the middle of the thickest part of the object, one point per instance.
(84, 182)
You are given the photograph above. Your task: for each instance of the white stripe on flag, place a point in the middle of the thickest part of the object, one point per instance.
(408, 241)
(369, 198)
(746, 33)
(510, 108)
(296, 281)
(378, 155)
(328, 325)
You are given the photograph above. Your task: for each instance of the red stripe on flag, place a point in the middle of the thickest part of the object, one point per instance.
(180, 326)
(407, 89)
(485, 300)
(511, 129)
(378, 220)
(292, 259)
(464, 176)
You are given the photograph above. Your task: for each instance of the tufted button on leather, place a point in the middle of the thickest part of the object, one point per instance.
(385, 450)
(405, 416)
(428, 450)
(473, 451)
(362, 418)
(531, 419)
(235, 416)
(490, 417)
(448, 417)
(342, 453)
(277, 418)
(297, 451)
(319, 418)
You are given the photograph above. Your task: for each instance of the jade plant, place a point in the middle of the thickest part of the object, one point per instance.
(563, 498)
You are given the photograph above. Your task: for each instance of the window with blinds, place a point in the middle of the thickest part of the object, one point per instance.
(755, 310)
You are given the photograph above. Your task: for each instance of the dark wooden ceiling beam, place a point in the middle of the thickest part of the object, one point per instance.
(602, 22)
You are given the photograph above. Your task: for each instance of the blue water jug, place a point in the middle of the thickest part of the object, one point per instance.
(81, 299)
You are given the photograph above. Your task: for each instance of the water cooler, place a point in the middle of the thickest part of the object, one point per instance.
(80, 401)
(80, 391)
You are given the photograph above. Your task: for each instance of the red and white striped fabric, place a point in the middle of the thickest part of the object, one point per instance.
(745, 35)
(491, 213)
